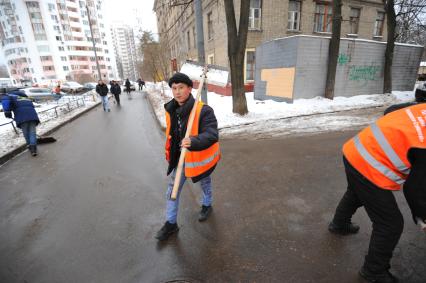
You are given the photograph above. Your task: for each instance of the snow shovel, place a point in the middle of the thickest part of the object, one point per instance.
(184, 150)
(40, 139)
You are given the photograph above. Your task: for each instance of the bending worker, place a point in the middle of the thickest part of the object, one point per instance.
(383, 158)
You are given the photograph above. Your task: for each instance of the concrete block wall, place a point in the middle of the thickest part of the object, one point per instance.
(301, 61)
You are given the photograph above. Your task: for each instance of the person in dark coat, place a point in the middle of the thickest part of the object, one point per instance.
(116, 91)
(102, 90)
(141, 83)
(203, 149)
(24, 114)
(128, 84)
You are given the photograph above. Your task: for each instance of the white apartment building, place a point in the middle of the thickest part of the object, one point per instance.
(125, 51)
(49, 40)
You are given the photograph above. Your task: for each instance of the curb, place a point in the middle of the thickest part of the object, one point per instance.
(18, 150)
(153, 111)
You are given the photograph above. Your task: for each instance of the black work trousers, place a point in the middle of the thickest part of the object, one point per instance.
(383, 211)
(117, 98)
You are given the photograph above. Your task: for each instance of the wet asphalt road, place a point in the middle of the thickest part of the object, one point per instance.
(88, 207)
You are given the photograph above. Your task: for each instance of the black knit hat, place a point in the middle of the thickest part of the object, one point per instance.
(180, 78)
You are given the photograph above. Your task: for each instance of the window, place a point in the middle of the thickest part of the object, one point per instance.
(48, 68)
(38, 28)
(249, 68)
(58, 38)
(255, 14)
(39, 37)
(354, 20)
(209, 26)
(210, 59)
(61, 48)
(323, 17)
(17, 18)
(378, 25)
(51, 7)
(65, 68)
(294, 15)
(57, 28)
(63, 58)
(54, 18)
(43, 48)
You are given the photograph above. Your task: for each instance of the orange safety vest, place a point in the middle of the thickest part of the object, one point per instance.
(196, 162)
(379, 152)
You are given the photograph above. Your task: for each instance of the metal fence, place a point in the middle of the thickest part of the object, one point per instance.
(62, 107)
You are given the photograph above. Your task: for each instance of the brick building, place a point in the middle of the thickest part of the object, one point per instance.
(268, 19)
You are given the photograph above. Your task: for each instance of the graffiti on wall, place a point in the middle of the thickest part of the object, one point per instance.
(364, 73)
(279, 82)
(343, 59)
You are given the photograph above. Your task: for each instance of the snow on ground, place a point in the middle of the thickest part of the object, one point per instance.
(51, 114)
(277, 116)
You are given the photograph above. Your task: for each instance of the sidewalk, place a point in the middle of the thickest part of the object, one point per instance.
(52, 118)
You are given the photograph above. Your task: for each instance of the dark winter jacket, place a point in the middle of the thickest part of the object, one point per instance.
(115, 89)
(415, 185)
(21, 106)
(102, 89)
(207, 136)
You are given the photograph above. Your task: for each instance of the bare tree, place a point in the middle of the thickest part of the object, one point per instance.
(237, 41)
(410, 21)
(390, 45)
(155, 62)
(333, 50)
(405, 23)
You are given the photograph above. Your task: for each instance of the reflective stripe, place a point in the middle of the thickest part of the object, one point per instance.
(202, 163)
(384, 144)
(376, 164)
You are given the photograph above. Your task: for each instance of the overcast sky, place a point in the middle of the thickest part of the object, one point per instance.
(131, 12)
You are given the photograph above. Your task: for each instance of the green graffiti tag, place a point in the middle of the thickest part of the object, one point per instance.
(343, 59)
(363, 73)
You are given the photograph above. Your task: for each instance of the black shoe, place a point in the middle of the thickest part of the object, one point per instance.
(346, 229)
(33, 150)
(385, 277)
(204, 213)
(166, 231)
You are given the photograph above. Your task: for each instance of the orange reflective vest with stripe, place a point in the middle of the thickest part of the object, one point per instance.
(196, 162)
(379, 152)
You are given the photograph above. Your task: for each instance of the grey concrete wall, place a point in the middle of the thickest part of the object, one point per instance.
(274, 54)
(359, 70)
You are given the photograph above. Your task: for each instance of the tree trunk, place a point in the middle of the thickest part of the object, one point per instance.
(390, 46)
(333, 50)
(237, 41)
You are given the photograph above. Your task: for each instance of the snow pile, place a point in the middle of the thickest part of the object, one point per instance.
(262, 111)
(214, 76)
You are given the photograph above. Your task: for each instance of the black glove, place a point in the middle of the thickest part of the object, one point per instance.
(8, 114)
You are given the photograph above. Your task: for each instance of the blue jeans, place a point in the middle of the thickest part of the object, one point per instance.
(29, 131)
(173, 206)
(105, 102)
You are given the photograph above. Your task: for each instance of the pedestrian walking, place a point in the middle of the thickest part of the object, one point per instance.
(203, 146)
(128, 85)
(102, 90)
(24, 114)
(116, 91)
(141, 83)
(381, 159)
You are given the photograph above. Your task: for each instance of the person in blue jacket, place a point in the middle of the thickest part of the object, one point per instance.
(24, 114)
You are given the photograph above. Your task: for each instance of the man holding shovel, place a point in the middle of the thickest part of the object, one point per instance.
(383, 158)
(202, 144)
